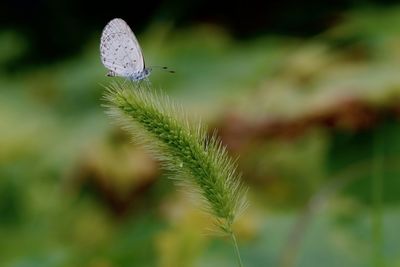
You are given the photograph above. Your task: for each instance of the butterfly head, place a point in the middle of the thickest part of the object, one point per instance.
(146, 72)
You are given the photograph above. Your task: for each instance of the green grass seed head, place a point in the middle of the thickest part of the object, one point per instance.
(186, 150)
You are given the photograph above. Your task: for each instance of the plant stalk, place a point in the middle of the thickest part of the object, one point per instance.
(377, 188)
(237, 253)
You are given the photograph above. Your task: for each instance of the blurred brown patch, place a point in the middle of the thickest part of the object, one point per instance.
(116, 172)
(350, 114)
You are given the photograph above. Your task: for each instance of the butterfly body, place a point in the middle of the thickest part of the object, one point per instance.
(135, 76)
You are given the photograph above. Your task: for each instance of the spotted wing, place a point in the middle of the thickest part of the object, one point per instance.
(120, 50)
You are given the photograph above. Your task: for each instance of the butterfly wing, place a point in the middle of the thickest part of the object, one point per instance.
(120, 50)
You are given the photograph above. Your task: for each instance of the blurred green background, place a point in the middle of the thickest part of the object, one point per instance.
(305, 95)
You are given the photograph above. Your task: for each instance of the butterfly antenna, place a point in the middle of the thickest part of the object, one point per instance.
(164, 68)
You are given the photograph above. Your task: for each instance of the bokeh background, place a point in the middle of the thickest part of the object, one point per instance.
(306, 94)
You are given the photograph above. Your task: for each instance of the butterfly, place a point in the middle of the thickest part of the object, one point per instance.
(121, 53)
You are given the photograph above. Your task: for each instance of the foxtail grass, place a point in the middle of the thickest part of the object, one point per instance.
(184, 149)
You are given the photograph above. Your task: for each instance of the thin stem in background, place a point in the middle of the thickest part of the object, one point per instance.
(377, 188)
(335, 183)
(236, 249)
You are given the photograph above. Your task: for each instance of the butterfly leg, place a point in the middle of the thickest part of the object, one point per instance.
(147, 80)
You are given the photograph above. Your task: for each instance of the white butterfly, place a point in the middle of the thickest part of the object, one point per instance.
(121, 53)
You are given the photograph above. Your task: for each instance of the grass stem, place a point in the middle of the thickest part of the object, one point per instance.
(237, 252)
(377, 188)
